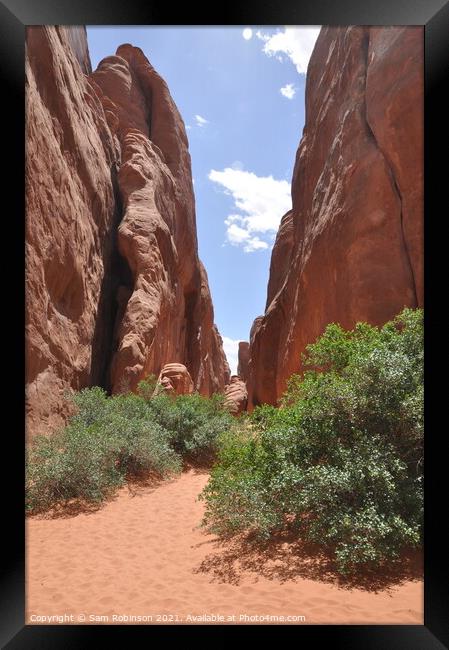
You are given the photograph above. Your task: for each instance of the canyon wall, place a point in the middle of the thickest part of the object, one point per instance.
(351, 248)
(114, 286)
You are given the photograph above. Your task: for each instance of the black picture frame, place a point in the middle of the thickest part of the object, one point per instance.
(15, 15)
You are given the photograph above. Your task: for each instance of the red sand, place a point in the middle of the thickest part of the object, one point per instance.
(142, 554)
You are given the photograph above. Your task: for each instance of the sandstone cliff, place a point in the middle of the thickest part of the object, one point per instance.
(352, 247)
(114, 286)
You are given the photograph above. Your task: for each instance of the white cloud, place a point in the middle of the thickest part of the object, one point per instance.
(240, 237)
(261, 201)
(231, 350)
(247, 33)
(201, 121)
(188, 127)
(295, 42)
(288, 91)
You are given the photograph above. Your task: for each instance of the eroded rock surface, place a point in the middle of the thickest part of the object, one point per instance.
(175, 379)
(114, 286)
(351, 249)
(236, 395)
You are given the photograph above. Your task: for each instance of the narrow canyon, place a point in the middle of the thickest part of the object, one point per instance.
(115, 289)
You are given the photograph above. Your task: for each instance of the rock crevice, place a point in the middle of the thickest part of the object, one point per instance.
(394, 181)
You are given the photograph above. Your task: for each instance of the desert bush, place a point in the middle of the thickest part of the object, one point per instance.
(147, 386)
(111, 439)
(140, 443)
(341, 461)
(193, 422)
(76, 463)
(263, 416)
(105, 442)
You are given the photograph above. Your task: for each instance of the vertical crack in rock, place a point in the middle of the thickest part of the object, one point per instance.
(394, 182)
(116, 289)
(191, 330)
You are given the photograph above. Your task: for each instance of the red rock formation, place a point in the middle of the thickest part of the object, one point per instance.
(280, 256)
(76, 37)
(243, 360)
(157, 235)
(175, 379)
(395, 70)
(70, 212)
(236, 395)
(352, 247)
(111, 232)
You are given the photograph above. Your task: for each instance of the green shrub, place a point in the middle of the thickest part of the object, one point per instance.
(193, 422)
(111, 439)
(263, 416)
(76, 463)
(140, 443)
(106, 441)
(341, 461)
(147, 386)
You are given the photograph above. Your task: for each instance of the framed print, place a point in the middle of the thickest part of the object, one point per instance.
(226, 261)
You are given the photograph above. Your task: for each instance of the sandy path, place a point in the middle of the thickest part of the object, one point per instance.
(145, 555)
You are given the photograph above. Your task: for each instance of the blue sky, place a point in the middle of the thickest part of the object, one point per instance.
(240, 91)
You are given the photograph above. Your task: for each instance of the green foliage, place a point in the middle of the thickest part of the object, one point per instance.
(69, 465)
(341, 461)
(263, 416)
(147, 386)
(106, 441)
(111, 439)
(192, 421)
